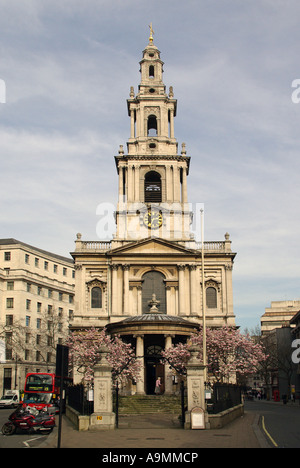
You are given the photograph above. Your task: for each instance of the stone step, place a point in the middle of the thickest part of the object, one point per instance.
(149, 404)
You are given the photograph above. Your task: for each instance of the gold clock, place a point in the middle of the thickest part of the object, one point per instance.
(153, 219)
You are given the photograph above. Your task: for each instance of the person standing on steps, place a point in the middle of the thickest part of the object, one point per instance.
(157, 386)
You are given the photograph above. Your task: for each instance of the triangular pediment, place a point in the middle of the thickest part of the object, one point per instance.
(152, 246)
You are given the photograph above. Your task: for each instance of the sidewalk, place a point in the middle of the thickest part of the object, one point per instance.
(161, 432)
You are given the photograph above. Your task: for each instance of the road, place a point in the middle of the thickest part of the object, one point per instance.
(18, 440)
(280, 423)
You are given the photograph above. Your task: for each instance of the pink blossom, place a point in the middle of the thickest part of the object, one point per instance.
(85, 351)
(229, 353)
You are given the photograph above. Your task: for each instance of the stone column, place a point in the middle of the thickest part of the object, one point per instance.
(181, 285)
(132, 123)
(193, 290)
(130, 184)
(195, 387)
(114, 289)
(176, 184)
(137, 184)
(139, 300)
(125, 290)
(120, 184)
(184, 186)
(168, 371)
(140, 384)
(103, 417)
(171, 123)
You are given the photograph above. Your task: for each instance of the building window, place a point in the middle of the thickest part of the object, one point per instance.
(7, 378)
(96, 302)
(154, 283)
(55, 268)
(152, 187)
(38, 323)
(37, 262)
(152, 126)
(7, 256)
(28, 304)
(211, 298)
(27, 259)
(46, 265)
(10, 285)
(64, 271)
(27, 320)
(39, 307)
(9, 320)
(151, 71)
(8, 338)
(9, 302)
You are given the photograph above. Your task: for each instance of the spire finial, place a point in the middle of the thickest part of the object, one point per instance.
(151, 34)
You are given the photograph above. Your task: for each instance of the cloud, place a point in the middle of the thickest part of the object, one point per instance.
(68, 67)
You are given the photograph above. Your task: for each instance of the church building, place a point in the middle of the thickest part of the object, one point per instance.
(153, 282)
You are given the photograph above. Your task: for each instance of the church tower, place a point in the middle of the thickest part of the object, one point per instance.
(152, 175)
(152, 284)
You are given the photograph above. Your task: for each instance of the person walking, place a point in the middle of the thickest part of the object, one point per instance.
(157, 386)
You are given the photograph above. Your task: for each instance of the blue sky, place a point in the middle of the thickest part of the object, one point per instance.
(68, 66)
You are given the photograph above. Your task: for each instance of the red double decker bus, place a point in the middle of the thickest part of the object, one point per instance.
(42, 390)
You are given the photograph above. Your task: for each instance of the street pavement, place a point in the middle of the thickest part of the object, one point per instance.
(161, 432)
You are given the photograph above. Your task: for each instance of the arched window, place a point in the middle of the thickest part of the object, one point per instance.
(151, 71)
(153, 283)
(211, 298)
(152, 126)
(152, 187)
(96, 298)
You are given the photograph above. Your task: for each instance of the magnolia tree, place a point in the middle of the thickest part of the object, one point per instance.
(85, 351)
(229, 353)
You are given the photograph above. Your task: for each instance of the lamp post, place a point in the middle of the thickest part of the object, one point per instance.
(203, 296)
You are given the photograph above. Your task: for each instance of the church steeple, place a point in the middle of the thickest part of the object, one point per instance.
(152, 111)
(152, 175)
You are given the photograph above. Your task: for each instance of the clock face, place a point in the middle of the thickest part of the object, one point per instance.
(153, 219)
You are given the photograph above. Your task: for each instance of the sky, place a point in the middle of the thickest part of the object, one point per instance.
(66, 68)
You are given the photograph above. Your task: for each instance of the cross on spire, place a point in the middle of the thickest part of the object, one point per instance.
(151, 34)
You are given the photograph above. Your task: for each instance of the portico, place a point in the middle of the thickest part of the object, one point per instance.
(151, 333)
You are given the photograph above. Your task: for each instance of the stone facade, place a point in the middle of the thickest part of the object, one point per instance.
(278, 315)
(153, 250)
(36, 304)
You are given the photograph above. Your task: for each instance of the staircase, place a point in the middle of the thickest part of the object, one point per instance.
(149, 404)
